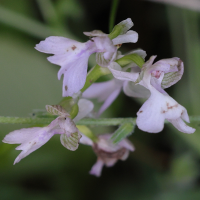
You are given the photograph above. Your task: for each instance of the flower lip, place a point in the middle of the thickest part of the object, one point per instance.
(105, 154)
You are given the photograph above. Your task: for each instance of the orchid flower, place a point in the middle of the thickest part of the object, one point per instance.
(160, 105)
(32, 139)
(107, 152)
(73, 56)
(108, 91)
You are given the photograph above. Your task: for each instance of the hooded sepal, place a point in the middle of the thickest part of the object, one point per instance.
(71, 142)
(56, 110)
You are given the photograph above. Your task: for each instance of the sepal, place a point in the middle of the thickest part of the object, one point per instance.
(71, 142)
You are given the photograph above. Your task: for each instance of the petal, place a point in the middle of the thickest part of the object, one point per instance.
(109, 162)
(75, 77)
(117, 72)
(85, 140)
(20, 136)
(155, 110)
(150, 117)
(43, 135)
(68, 125)
(127, 144)
(181, 126)
(156, 83)
(140, 52)
(94, 33)
(109, 101)
(104, 59)
(125, 156)
(97, 168)
(85, 107)
(134, 90)
(145, 75)
(167, 65)
(58, 45)
(104, 44)
(100, 91)
(130, 36)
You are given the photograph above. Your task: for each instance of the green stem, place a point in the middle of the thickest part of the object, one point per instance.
(85, 121)
(113, 12)
(95, 73)
(25, 120)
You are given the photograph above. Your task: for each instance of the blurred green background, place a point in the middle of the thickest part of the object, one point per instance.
(164, 166)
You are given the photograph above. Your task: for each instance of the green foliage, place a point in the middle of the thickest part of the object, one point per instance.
(135, 58)
(122, 132)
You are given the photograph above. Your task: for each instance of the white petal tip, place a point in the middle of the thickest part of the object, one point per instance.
(94, 173)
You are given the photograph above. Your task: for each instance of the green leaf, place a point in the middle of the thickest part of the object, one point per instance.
(95, 73)
(122, 132)
(129, 59)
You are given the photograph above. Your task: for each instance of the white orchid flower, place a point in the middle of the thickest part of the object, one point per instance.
(73, 56)
(160, 105)
(32, 139)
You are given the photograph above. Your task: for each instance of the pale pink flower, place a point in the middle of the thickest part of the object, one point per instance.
(107, 152)
(160, 105)
(32, 139)
(73, 56)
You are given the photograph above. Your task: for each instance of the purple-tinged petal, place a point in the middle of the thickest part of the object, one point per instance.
(20, 136)
(104, 59)
(145, 75)
(127, 144)
(167, 65)
(43, 135)
(107, 49)
(94, 33)
(140, 52)
(125, 156)
(85, 140)
(68, 125)
(135, 90)
(59, 45)
(130, 36)
(85, 107)
(185, 116)
(109, 162)
(104, 44)
(156, 83)
(150, 117)
(97, 168)
(100, 91)
(75, 77)
(109, 101)
(181, 126)
(117, 72)
(155, 110)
